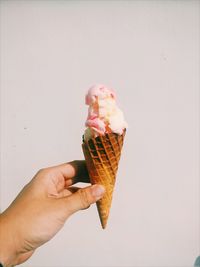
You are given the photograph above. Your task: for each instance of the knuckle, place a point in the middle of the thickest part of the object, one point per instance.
(85, 203)
(43, 173)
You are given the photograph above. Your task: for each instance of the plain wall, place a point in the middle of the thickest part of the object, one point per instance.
(51, 52)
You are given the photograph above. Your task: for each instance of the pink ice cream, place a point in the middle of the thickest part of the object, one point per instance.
(103, 114)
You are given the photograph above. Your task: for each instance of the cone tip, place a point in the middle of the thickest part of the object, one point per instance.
(103, 224)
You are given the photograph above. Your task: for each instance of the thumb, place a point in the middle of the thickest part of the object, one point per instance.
(84, 197)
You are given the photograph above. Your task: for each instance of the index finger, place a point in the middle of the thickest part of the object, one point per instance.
(76, 171)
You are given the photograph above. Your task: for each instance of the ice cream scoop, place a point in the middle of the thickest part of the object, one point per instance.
(104, 116)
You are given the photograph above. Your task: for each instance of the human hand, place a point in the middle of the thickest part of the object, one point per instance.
(41, 209)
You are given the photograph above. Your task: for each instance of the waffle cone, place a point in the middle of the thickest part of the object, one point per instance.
(102, 155)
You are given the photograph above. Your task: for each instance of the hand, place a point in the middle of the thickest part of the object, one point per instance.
(41, 209)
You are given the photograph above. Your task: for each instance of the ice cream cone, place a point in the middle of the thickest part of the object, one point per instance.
(102, 155)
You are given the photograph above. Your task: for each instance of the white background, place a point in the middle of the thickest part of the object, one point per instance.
(51, 52)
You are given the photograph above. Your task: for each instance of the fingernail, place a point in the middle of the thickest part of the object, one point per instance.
(98, 191)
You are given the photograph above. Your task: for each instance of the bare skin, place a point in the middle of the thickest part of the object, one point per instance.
(42, 208)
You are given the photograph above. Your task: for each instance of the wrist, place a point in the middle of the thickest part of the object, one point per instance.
(8, 251)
